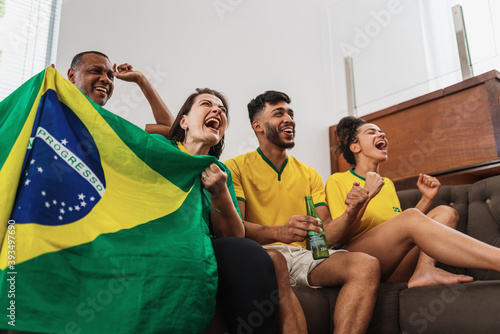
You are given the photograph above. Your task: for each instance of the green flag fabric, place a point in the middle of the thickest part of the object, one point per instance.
(101, 224)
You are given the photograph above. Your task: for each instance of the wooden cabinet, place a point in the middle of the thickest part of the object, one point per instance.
(452, 133)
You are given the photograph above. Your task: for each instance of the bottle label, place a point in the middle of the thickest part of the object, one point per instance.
(318, 242)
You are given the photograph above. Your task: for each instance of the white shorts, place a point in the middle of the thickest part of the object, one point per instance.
(300, 262)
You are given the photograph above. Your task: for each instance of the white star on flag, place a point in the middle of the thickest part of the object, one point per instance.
(40, 169)
(63, 204)
(64, 141)
(70, 208)
(92, 198)
(27, 182)
(44, 193)
(32, 161)
(77, 208)
(83, 203)
(47, 205)
(54, 201)
(81, 196)
(62, 211)
(60, 218)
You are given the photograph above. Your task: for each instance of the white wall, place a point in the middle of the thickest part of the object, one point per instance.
(402, 49)
(241, 49)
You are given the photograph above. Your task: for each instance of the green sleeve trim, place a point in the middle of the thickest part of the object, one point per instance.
(241, 199)
(319, 204)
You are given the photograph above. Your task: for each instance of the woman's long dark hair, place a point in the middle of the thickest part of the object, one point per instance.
(177, 133)
(347, 132)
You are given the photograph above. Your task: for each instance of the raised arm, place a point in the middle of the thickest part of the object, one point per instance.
(161, 113)
(429, 187)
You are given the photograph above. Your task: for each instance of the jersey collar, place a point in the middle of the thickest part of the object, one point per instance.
(271, 164)
(353, 173)
(182, 148)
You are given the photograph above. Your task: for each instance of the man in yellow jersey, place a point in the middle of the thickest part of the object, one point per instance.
(271, 186)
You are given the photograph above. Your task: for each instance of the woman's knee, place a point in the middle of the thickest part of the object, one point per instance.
(445, 215)
(412, 212)
(406, 221)
(411, 216)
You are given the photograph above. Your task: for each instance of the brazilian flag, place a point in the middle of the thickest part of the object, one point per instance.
(101, 224)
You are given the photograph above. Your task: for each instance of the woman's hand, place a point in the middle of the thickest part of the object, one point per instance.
(374, 182)
(428, 186)
(214, 179)
(355, 200)
(225, 219)
(125, 72)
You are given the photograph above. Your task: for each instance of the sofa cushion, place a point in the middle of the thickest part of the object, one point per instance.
(386, 315)
(318, 307)
(462, 308)
(319, 304)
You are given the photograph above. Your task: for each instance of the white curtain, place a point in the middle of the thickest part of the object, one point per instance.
(28, 40)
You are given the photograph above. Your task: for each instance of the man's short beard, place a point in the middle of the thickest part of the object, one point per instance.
(274, 137)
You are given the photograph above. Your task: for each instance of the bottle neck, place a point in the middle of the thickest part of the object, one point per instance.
(311, 209)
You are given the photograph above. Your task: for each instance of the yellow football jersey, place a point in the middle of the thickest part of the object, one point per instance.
(381, 208)
(273, 196)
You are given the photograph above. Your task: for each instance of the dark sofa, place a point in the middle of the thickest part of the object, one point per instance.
(464, 308)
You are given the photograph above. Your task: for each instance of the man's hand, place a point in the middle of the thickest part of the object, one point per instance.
(125, 72)
(356, 198)
(428, 186)
(214, 179)
(295, 229)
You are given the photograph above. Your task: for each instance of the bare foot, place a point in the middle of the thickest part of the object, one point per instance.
(436, 276)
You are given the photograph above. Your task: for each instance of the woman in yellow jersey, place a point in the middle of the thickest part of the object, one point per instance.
(246, 272)
(407, 244)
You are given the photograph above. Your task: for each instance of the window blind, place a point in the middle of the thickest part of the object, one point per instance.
(28, 40)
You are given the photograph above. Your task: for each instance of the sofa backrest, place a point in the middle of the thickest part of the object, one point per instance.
(484, 218)
(478, 206)
(455, 196)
